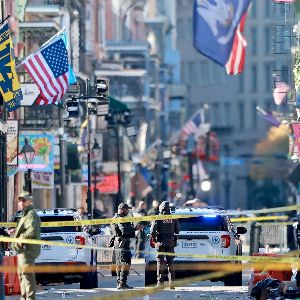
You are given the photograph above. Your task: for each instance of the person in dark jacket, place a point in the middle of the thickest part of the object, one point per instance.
(163, 233)
(122, 233)
(28, 227)
(154, 210)
(141, 234)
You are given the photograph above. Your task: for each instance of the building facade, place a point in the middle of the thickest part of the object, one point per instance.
(232, 100)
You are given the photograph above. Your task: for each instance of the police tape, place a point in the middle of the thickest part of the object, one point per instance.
(258, 219)
(283, 259)
(109, 221)
(264, 210)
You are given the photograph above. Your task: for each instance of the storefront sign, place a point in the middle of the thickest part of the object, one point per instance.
(42, 180)
(12, 143)
(44, 154)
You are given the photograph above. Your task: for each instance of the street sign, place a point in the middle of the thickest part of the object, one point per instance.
(232, 161)
(30, 93)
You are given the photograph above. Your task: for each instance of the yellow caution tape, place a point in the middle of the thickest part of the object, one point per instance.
(266, 218)
(265, 210)
(139, 219)
(283, 259)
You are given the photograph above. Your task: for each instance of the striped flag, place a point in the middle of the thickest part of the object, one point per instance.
(49, 69)
(191, 126)
(236, 61)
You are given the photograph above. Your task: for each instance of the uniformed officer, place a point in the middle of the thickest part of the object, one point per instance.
(122, 233)
(163, 233)
(28, 227)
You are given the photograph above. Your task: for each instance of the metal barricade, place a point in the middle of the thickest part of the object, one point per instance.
(274, 235)
(270, 235)
(104, 257)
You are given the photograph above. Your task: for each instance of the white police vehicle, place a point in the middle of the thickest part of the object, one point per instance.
(65, 256)
(210, 232)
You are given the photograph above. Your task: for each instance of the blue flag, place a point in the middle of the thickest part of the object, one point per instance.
(214, 26)
(71, 78)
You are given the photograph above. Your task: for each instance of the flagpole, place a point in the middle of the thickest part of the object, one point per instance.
(46, 43)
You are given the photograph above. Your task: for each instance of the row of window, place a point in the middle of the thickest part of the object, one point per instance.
(228, 114)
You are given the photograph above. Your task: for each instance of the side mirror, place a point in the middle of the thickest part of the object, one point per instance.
(241, 230)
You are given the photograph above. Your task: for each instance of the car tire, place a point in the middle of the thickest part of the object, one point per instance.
(234, 279)
(150, 275)
(89, 280)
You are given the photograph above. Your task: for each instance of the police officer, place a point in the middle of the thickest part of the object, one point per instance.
(163, 233)
(122, 233)
(28, 227)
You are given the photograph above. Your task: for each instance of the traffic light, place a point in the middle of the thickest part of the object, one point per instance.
(102, 88)
(73, 107)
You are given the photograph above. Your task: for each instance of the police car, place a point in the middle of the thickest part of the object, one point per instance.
(65, 256)
(209, 232)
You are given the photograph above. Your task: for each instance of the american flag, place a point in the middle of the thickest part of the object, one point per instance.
(191, 126)
(49, 69)
(236, 61)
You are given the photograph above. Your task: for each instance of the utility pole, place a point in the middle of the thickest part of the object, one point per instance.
(62, 163)
(89, 187)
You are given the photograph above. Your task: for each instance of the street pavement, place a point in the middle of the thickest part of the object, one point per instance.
(107, 286)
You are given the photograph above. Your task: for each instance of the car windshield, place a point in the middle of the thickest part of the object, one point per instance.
(204, 223)
(59, 228)
(56, 219)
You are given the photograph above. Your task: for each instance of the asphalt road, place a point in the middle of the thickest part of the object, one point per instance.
(107, 286)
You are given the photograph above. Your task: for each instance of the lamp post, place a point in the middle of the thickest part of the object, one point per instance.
(116, 120)
(28, 153)
(96, 152)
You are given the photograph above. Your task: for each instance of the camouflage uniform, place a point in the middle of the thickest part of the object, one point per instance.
(28, 227)
(122, 232)
(163, 233)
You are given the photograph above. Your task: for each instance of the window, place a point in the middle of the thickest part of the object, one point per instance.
(216, 114)
(254, 40)
(254, 115)
(184, 72)
(267, 8)
(204, 223)
(254, 78)
(193, 72)
(204, 71)
(268, 77)
(267, 40)
(227, 110)
(241, 115)
(241, 83)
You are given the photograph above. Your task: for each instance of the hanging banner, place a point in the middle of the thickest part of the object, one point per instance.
(9, 82)
(43, 145)
(12, 142)
(42, 180)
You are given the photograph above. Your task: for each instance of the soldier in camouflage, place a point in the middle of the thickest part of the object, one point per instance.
(163, 233)
(122, 233)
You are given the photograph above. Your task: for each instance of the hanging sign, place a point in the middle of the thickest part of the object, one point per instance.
(12, 142)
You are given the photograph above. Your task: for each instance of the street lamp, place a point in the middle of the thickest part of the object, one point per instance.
(116, 120)
(28, 153)
(96, 153)
(206, 185)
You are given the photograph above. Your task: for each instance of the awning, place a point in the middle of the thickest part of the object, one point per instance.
(117, 106)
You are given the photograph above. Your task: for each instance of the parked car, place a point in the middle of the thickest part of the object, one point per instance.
(65, 256)
(208, 232)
